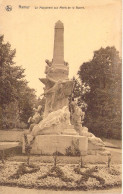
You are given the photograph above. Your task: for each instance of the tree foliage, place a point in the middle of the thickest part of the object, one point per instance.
(79, 89)
(16, 98)
(103, 75)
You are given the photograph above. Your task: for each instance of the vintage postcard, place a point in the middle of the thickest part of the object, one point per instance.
(60, 96)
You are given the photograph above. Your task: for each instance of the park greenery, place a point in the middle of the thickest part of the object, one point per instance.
(62, 176)
(16, 98)
(98, 90)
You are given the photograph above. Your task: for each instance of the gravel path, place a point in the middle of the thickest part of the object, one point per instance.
(115, 150)
(16, 190)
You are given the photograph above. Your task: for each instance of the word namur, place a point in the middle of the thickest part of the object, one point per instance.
(24, 7)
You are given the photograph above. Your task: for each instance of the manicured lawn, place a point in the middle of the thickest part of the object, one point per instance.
(11, 135)
(89, 159)
(115, 142)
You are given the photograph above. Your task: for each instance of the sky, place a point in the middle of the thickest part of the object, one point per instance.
(31, 32)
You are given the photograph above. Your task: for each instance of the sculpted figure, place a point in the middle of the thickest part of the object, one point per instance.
(36, 117)
(77, 116)
(58, 94)
(54, 123)
(48, 67)
(67, 65)
(49, 63)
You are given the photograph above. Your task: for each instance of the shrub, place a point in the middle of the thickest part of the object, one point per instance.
(73, 150)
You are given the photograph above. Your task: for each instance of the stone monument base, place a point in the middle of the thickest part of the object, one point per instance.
(49, 144)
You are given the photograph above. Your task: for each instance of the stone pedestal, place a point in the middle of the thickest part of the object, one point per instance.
(49, 144)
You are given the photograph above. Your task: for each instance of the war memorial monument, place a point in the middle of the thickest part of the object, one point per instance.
(57, 152)
(58, 129)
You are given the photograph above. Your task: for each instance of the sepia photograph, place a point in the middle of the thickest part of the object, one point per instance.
(61, 97)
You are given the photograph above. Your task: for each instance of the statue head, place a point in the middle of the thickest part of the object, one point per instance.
(48, 62)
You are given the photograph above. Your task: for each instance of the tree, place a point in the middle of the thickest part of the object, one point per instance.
(10, 75)
(26, 102)
(79, 89)
(16, 98)
(103, 75)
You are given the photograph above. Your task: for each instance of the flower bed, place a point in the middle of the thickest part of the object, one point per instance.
(68, 176)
